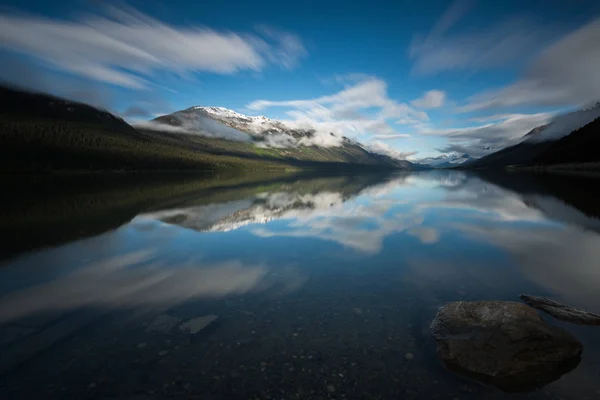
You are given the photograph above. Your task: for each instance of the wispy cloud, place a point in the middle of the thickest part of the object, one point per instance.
(140, 280)
(499, 131)
(497, 46)
(363, 107)
(431, 99)
(124, 47)
(379, 147)
(565, 73)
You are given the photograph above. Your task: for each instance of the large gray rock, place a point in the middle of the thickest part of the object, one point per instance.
(562, 311)
(506, 344)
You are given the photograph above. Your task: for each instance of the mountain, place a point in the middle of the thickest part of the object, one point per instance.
(44, 133)
(273, 138)
(581, 146)
(447, 160)
(541, 139)
(304, 196)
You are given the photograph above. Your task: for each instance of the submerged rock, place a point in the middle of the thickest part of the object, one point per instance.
(195, 325)
(163, 323)
(506, 344)
(561, 311)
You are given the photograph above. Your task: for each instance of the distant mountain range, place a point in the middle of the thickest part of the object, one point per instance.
(447, 160)
(571, 138)
(41, 133)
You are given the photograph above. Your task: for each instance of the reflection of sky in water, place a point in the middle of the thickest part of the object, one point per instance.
(438, 231)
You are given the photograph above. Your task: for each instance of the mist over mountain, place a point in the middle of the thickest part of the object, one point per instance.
(536, 145)
(229, 124)
(271, 134)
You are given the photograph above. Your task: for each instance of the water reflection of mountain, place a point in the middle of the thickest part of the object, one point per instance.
(49, 211)
(268, 203)
(565, 198)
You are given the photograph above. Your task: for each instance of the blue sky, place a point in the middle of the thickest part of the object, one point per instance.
(426, 77)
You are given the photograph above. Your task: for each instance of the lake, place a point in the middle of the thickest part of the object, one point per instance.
(299, 286)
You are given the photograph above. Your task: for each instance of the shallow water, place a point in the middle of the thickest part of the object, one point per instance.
(323, 287)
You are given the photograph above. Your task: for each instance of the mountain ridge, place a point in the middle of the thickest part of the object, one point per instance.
(43, 133)
(531, 150)
(275, 137)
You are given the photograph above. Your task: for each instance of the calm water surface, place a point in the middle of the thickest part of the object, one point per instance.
(322, 287)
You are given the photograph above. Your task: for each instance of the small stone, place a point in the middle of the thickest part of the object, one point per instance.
(357, 311)
(141, 345)
(331, 388)
(409, 356)
(92, 385)
(195, 325)
(263, 363)
(235, 374)
(163, 323)
(163, 353)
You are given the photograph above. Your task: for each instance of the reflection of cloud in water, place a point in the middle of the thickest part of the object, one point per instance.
(138, 280)
(361, 226)
(561, 259)
(490, 202)
(326, 215)
(200, 218)
(559, 211)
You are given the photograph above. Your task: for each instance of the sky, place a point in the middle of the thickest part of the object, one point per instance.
(418, 79)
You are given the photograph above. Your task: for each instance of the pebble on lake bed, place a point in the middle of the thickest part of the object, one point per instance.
(163, 353)
(163, 323)
(409, 356)
(195, 325)
(330, 388)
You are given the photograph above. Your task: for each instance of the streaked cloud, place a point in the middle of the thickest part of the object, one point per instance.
(140, 280)
(362, 108)
(564, 73)
(499, 131)
(499, 45)
(125, 47)
(431, 99)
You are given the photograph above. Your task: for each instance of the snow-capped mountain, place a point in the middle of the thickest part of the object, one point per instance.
(445, 160)
(564, 124)
(258, 127)
(537, 143)
(282, 140)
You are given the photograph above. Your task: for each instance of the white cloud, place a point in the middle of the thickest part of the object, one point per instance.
(126, 46)
(139, 280)
(362, 226)
(500, 131)
(392, 137)
(494, 47)
(207, 129)
(348, 112)
(565, 73)
(431, 99)
(378, 147)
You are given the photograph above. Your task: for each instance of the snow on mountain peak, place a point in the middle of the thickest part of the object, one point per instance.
(226, 113)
